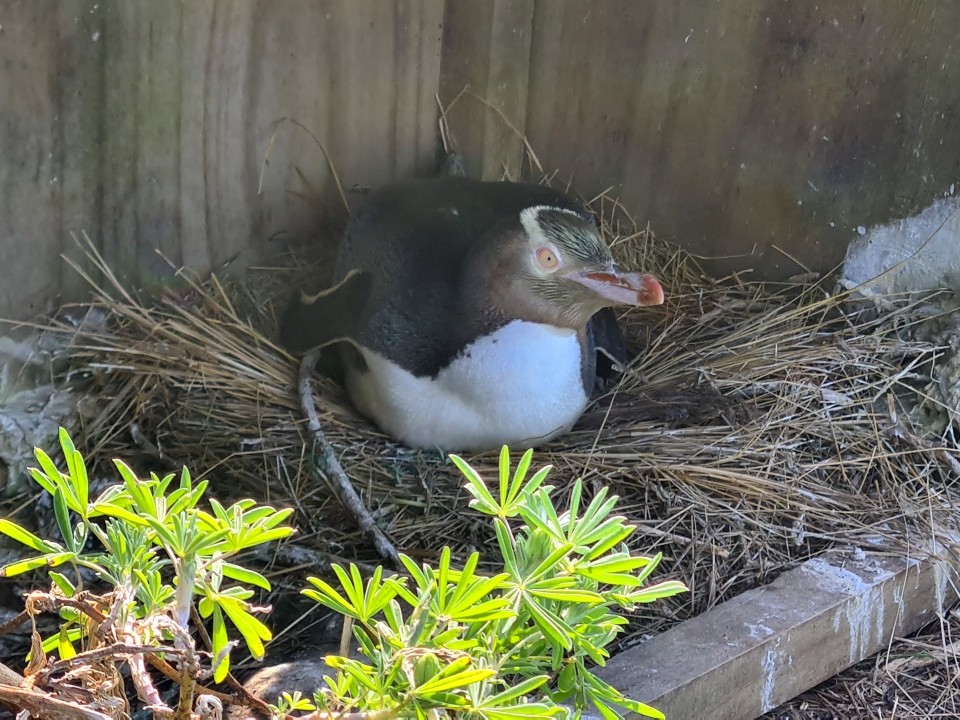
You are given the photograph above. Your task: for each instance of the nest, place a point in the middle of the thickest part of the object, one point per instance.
(757, 426)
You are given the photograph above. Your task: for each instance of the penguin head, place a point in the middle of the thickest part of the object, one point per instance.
(568, 272)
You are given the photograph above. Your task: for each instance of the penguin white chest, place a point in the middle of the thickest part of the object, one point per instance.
(521, 385)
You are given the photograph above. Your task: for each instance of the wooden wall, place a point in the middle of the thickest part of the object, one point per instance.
(735, 128)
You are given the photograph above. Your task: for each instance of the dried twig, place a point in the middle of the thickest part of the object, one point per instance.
(13, 623)
(330, 469)
(42, 705)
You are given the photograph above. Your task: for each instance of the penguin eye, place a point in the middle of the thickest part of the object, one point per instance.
(547, 258)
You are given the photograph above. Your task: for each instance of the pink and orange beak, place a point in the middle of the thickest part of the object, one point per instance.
(637, 289)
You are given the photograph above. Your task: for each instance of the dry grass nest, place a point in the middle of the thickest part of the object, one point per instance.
(757, 425)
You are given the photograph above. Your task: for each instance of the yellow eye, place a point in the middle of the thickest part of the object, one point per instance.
(547, 258)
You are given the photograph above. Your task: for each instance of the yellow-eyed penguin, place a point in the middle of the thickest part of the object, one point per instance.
(465, 313)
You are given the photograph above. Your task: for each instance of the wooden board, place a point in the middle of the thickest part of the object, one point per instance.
(743, 129)
(752, 653)
(146, 122)
(494, 66)
(737, 129)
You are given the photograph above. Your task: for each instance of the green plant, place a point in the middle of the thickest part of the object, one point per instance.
(160, 551)
(516, 644)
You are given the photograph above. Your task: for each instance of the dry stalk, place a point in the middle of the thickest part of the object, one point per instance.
(331, 471)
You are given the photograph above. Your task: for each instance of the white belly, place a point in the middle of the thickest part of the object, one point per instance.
(520, 386)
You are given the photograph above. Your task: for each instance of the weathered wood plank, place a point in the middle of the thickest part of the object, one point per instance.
(29, 174)
(145, 123)
(731, 126)
(752, 653)
(736, 128)
(486, 48)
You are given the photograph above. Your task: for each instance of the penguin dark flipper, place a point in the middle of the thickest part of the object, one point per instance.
(332, 315)
(609, 347)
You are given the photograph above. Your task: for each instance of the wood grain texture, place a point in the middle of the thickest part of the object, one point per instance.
(764, 647)
(145, 122)
(486, 50)
(736, 128)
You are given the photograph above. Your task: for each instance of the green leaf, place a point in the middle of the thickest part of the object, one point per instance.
(482, 499)
(496, 609)
(363, 674)
(354, 592)
(167, 537)
(665, 589)
(62, 516)
(505, 542)
(25, 537)
(442, 578)
(426, 668)
(523, 712)
(139, 492)
(567, 595)
(648, 569)
(457, 680)
(63, 584)
(254, 632)
(467, 595)
(51, 477)
(219, 640)
(567, 679)
(537, 480)
(522, 688)
(601, 693)
(22, 566)
(241, 574)
(265, 537)
(78, 473)
(551, 625)
(505, 474)
(614, 570)
(65, 648)
(74, 634)
(111, 509)
(641, 709)
(607, 712)
(550, 562)
(328, 597)
(616, 536)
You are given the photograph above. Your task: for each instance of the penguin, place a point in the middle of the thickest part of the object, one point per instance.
(465, 315)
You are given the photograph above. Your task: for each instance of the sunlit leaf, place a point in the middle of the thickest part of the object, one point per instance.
(504, 474)
(254, 632)
(22, 566)
(665, 589)
(219, 641)
(457, 680)
(241, 574)
(327, 596)
(570, 595)
(518, 690)
(522, 712)
(483, 501)
(551, 625)
(25, 537)
(111, 509)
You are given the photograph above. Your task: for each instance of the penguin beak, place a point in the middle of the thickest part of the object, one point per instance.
(636, 289)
